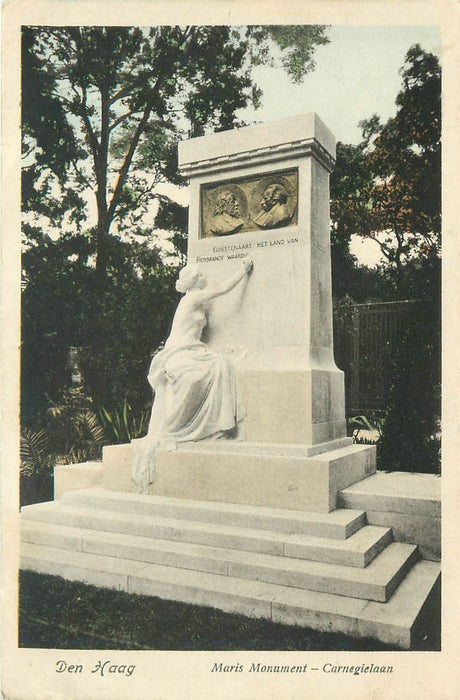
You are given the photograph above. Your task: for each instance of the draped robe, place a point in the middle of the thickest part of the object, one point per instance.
(195, 396)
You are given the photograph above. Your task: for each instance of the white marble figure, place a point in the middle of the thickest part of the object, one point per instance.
(196, 396)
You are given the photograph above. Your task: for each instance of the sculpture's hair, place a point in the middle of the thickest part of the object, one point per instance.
(223, 201)
(279, 193)
(187, 278)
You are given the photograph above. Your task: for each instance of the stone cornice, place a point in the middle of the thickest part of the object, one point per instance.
(283, 152)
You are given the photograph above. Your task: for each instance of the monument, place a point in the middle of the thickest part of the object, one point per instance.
(263, 192)
(246, 494)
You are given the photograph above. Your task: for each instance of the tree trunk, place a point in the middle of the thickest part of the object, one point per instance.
(104, 220)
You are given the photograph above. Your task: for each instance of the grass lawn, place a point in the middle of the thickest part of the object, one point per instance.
(60, 614)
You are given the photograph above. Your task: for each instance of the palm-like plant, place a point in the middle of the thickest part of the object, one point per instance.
(36, 467)
(123, 424)
(75, 430)
(371, 425)
(34, 452)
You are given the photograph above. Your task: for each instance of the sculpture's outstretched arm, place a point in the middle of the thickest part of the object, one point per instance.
(219, 289)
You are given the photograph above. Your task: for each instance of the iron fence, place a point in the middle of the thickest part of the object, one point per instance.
(365, 342)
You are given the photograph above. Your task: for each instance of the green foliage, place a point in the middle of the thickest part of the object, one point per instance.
(103, 109)
(70, 433)
(123, 425)
(36, 467)
(34, 452)
(58, 302)
(49, 144)
(74, 428)
(60, 309)
(174, 218)
(297, 44)
(139, 305)
(388, 188)
(117, 99)
(366, 423)
(410, 438)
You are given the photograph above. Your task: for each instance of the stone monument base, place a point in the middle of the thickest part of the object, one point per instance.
(327, 571)
(283, 476)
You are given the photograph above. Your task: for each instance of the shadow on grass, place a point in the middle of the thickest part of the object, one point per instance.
(59, 614)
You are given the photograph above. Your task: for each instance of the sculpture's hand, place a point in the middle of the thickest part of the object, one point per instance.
(216, 290)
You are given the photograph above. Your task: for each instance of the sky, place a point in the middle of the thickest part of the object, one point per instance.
(356, 76)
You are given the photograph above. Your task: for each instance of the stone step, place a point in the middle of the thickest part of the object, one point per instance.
(338, 524)
(358, 550)
(401, 621)
(376, 582)
(170, 552)
(396, 492)
(408, 503)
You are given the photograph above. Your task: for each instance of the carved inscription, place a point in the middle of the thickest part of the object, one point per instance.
(230, 252)
(250, 204)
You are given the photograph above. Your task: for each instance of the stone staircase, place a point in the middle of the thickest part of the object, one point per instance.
(330, 571)
(408, 503)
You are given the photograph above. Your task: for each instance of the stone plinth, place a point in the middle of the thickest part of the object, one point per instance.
(278, 323)
(71, 477)
(259, 474)
(267, 476)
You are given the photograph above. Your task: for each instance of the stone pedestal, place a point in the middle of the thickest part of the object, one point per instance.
(279, 324)
(257, 474)
(264, 476)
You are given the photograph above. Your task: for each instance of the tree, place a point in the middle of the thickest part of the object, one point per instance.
(58, 308)
(405, 161)
(128, 94)
(348, 179)
(388, 188)
(350, 280)
(103, 109)
(49, 146)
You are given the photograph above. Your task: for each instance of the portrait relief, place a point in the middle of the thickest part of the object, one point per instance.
(264, 202)
(276, 209)
(226, 218)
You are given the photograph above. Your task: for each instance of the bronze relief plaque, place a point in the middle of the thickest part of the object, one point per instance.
(256, 203)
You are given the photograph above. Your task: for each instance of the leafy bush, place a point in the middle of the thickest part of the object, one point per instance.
(36, 467)
(74, 428)
(410, 437)
(72, 431)
(69, 432)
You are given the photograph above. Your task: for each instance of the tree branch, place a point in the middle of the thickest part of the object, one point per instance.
(122, 92)
(123, 172)
(120, 119)
(81, 174)
(94, 143)
(386, 250)
(140, 129)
